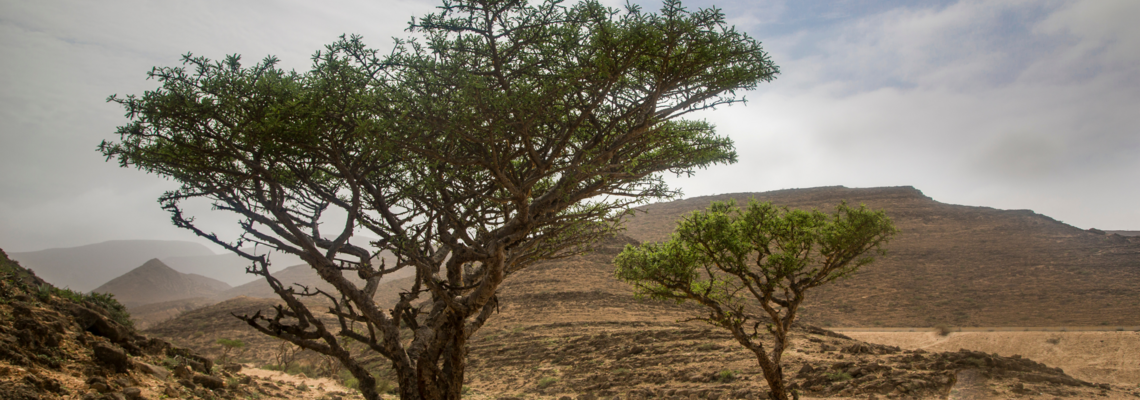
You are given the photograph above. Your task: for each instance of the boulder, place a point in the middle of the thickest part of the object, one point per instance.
(209, 382)
(113, 357)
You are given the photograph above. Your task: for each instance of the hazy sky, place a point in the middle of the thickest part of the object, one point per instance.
(1006, 104)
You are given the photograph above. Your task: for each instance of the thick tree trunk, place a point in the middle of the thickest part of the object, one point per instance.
(774, 374)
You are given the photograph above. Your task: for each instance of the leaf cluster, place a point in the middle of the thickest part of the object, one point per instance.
(727, 257)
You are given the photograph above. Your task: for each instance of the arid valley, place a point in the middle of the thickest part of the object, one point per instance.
(968, 303)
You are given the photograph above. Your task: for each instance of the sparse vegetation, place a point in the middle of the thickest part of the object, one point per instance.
(546, 382)
(726, 376)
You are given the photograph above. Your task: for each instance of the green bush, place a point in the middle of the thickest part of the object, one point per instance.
(726, 376)
(838, 376)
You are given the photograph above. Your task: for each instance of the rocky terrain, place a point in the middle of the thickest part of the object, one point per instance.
(57, 344)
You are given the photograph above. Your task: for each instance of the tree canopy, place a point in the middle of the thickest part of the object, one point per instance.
(752, 267)
(509, 134)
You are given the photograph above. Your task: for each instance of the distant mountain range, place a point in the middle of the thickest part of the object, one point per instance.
(86, 267)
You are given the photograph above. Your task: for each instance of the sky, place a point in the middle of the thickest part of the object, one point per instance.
(1007, 104)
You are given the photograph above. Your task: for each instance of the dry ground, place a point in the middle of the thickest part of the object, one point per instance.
(1103, 357)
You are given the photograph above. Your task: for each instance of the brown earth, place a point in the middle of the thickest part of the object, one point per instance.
(957, 265)
(568, 328)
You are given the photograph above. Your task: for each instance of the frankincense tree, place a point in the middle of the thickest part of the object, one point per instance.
(508, 134)
(751, 267)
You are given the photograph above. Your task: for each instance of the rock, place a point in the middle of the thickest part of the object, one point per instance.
(100, 387)
(112, 357)
(182, 372)
(114, 396)
(196, 365)
(209, 382)
(232, 367)
(171, 392)
(98, 324)
(132, 393)
(157, 371)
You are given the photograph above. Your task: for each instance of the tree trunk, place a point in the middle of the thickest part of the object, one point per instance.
(774, 374)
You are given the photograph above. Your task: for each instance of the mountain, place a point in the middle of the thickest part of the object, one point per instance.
(85, 267)
(956, 265)
(155, 282)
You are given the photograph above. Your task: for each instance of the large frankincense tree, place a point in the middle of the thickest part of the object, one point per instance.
(752, 267)
(506, 135)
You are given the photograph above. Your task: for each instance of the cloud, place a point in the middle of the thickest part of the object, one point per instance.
(1004, 104)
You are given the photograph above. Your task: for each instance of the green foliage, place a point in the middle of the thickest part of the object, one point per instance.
(727, 375)
(731, 260)
(509, 133)
(838, 376)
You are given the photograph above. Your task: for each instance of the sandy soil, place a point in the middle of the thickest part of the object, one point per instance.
(1101, 357)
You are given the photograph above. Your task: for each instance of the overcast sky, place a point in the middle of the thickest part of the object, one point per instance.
(1006, 104)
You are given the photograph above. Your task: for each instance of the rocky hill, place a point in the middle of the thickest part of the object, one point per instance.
(61, 344)
(957, 265)
(154, 282)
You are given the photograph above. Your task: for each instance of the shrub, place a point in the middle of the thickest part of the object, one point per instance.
(838, 376)
(943, 329)
(547, 382)
(727, 375)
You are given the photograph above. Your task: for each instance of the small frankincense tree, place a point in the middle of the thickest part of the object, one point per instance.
(229, 345)
(750, 268)
(508, 135)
